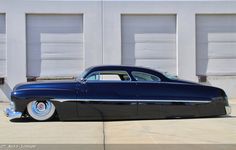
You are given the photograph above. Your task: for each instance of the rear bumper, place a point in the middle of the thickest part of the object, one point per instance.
(11, 113)
(228, 110)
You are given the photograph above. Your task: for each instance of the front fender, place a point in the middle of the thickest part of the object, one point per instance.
(22, 97)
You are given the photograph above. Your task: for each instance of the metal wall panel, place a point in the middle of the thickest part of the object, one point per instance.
(216, 44)
(149, 40)
(54, 45)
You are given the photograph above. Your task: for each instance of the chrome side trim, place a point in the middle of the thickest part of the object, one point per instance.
(131, 100)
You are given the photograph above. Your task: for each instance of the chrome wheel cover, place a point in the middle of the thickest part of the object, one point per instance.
(41, 110)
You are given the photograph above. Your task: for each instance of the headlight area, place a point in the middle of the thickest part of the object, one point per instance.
(12, 106)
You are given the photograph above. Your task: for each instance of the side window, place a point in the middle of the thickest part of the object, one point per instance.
(93, 76)
(142, 76)
(109, 76)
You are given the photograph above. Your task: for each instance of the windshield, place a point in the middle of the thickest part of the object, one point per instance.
(80, 76)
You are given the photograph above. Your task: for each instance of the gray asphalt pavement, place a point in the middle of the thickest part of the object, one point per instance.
(220, 130)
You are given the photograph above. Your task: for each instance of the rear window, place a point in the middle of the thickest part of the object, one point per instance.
(142, 76)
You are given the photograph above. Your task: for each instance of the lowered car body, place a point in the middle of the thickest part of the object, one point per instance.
(117, 93)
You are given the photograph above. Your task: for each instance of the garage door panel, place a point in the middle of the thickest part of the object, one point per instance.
(138, 24)
(62, 50)
(217, 50)
(54, 45)
(149, 40)
(153, 38)
(2, 46)
(2, 68)
(131, 39)
(158, 64)
(158, 46)
(216, 44)
(202, 71)
(211, 29)
(56, 57)
(211, 66)
(129, 62)
(154, 54)
(152, 23)
(215, 37)
(59, 48)
(3, 58)
(128, 48)
(215, 64)
(128, 54)
(68, 66)
(34, 51)
(222, 50)
(34, 72)
(154, 50)
(2, 24)
(47, 21)
(148, 27)
(216, 20)
(61, 38)
(222, 37)
(35, 34)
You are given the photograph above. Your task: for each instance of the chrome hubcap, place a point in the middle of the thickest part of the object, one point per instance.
(41, 108)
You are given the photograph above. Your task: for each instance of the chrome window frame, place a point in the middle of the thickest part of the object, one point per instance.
(95, 72)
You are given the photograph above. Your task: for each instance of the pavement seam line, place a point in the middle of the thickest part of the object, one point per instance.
(104, 135)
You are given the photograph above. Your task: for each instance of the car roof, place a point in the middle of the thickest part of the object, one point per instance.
(129, 69)
(118, 67)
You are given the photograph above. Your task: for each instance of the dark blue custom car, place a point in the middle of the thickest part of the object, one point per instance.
(117, 93)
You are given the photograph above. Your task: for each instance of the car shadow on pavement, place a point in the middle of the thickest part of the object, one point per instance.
(28, 119)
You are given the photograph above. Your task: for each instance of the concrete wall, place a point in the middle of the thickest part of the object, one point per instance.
(102, 32)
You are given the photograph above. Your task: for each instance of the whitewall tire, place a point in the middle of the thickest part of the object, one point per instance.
(41, 110)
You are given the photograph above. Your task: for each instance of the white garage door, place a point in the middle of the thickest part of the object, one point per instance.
(54, 45)
(149, 40)
(2, 46)
(216, 45)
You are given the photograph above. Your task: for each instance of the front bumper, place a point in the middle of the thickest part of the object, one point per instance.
(11, 113)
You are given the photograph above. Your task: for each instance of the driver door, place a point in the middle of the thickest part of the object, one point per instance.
(109, 95)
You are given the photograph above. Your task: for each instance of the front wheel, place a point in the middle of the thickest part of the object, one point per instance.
(41, 110)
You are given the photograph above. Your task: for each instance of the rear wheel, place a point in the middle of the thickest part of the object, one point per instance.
(41, 110)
